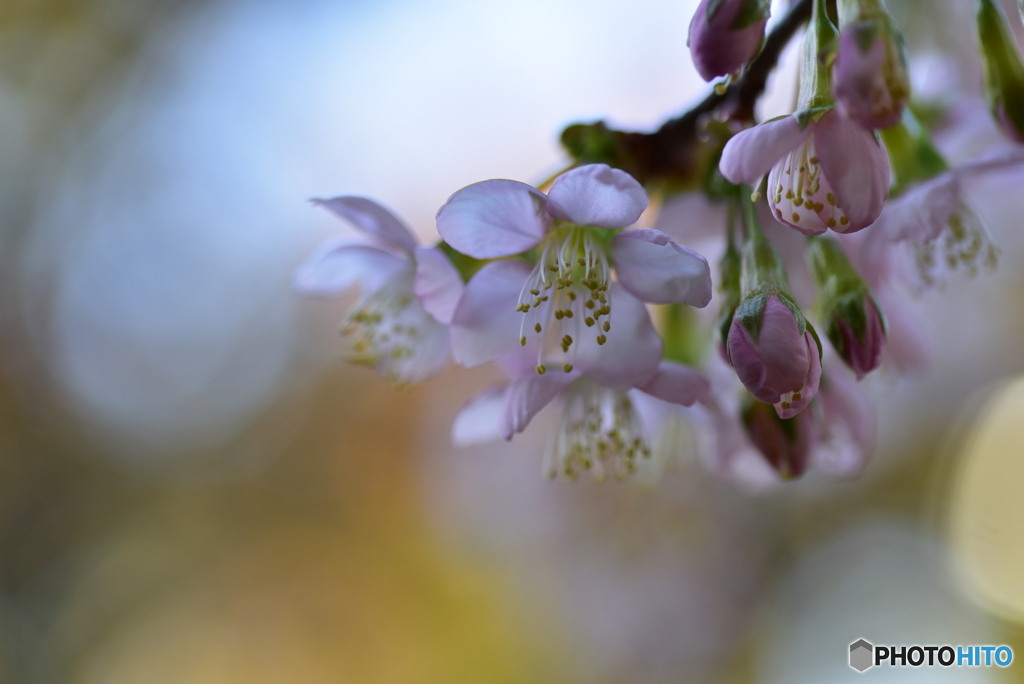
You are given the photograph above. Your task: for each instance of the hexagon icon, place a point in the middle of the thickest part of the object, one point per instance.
(861, 655)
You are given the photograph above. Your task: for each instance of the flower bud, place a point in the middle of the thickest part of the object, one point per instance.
(772, 347)
(726, 34)
(853, 320)
(784, 443)
(1004, 73)
(870, 78)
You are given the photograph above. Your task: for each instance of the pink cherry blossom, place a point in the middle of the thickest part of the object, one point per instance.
(568, 299)
(406, 292)
(826, 174)
(599, 428)
(779, 365)
(717, 45)
(845, 438)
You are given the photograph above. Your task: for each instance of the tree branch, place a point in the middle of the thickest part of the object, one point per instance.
(672, 154)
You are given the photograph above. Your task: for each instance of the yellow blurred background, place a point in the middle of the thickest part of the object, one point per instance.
(194, 487)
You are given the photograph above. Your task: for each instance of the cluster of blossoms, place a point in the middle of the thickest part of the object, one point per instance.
(581, 310)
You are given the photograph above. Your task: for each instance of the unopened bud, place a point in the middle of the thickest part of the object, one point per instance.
(726, 34)
(1004, 73)
(870, 76)
(853, 320)
(784, 443)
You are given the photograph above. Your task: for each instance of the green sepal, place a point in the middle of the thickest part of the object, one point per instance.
(913, 156)
(821, 42)
(1004, 72)
(751, 12)
(466, 266)
(806, 115)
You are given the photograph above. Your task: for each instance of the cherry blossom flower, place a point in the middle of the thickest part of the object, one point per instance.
(568, 297)
(726, 34)
(829, 173)
(598, 422)
(407, 292)
(870, 75)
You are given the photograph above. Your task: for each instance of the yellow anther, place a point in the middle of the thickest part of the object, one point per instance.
(567, 368)
(541, 369)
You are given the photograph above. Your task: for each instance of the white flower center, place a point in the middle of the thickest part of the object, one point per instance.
(566, 289)
(385, 330)
(599, 431)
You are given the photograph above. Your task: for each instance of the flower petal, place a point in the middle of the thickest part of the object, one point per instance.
(437, 284)
(633, 349)
(597, 195)
(796, 402)
(856, 166)
(494, 218)
(371, 218)
(678, 384)
(657, 270)
(752, 153)
(338, 264)
(485, 323)
(479, 420)
(920, 215)
(527, 395)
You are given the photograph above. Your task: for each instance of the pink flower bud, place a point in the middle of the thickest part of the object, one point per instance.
(870, 76)
(784, 443)
(857, 331)
(725, 35)
(776, 361)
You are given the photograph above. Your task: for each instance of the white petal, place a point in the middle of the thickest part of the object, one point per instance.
(597, 195)
(437, 284)
(479, 420)
(371, 218)
(485, 323)
(657, 270)
(494, 218)
(338, 264)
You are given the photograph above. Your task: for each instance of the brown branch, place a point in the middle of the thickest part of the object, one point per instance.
(672, 154)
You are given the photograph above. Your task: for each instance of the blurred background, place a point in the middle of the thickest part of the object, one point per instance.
(194, 487)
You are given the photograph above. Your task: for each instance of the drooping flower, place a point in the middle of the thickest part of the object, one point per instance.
(599, 428)
(568, 297)
(870, 76)
(826, 174)
(407, 292)
(769, 343)
(726, 34)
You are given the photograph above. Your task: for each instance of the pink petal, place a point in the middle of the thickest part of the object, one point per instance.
(750, 154)
(716, 48)
(856, 166)
(657, 270)
(479, 420)
(920, 215)
(437, 284)
(678, 384)
(791, 203)
(777, 363)
(809, 386)
(338, 264)
(633, 351)
(859, 82)
(597, 195)
(485, 322)
(371, 218)
(527, 395)
(494, 218)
